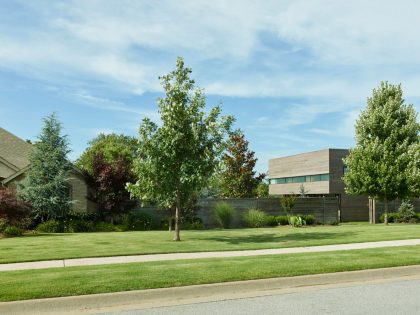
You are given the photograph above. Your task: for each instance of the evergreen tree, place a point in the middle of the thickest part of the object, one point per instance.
(177, 158)
(384, 164)
(46, 185)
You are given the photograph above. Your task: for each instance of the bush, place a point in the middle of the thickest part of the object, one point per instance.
(393, 217)
(51, 226)
(271, 220)
(78, 225)
(13, 210)
(333, 223)
(287, 203)
(3, 225)
(105, 227)
(282, 220)
(255, 218)
(309, 219)
(223, 214)
(196, 225)
(296, 221)
(12, 230)
(406, 212)
(139, 221)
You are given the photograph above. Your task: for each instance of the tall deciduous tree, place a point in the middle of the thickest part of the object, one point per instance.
(112, 147)
(177, 157)
(108, 163)
(46, 185)
(238, 177)
(384, 164)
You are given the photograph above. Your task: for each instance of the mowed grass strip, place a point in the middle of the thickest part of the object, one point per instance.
(60, 246)
(32, 284)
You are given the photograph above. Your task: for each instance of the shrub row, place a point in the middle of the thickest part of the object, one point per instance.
(405, 214)
(395, 217)
(223, 215)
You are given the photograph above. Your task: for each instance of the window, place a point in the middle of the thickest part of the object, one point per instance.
(325, 177)
(300, 179)
(345, 169)
(315, 178)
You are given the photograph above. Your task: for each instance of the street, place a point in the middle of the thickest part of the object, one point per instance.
(399, 297)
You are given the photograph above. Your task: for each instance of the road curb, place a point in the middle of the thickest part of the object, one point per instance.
(141, 299)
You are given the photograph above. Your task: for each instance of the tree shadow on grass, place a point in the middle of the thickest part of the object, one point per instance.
(275, 238)
(47, 234)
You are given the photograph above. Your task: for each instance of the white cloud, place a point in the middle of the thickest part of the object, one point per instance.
(331, 49)
(106, 104)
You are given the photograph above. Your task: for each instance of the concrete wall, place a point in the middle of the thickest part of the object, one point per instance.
(311, 163)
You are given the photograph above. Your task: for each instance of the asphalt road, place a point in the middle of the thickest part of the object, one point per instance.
(399, 297)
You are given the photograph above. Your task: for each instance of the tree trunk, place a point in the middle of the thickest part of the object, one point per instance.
(386, 211)
(177, 213)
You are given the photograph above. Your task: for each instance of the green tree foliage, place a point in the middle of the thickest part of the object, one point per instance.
(46, 186)
(385, 162)
(238, 176)
(108, 163)
(177, 158)
(287, 203)
(112, 147)
(262, 190)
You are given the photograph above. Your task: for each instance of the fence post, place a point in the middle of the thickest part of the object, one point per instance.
(323, 199)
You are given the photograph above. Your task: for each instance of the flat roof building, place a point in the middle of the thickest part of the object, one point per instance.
(320, 173)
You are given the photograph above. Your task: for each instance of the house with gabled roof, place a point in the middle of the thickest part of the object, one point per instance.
(14, 162)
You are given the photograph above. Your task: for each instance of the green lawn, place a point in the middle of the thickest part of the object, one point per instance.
(30, 284)
(59, 246)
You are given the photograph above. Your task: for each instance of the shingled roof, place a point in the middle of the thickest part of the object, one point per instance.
(14, 153)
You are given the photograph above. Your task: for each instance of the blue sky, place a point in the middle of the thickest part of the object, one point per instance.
(294, 73)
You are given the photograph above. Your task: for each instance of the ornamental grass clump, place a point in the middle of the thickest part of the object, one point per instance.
(255, 218)
(223, 215)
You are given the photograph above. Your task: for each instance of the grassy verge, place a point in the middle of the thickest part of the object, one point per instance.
(30, 284)
(59, 246)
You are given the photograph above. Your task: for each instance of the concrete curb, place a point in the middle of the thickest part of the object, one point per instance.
(200, 255)
(123, 301)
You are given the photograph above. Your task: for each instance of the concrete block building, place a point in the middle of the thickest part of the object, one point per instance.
(14, 161)
(320, 173)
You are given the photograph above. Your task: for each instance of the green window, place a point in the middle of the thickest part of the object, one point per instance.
(300, 179)
(325, 177)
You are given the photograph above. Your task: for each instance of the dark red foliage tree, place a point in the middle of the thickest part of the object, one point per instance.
(12, 209)
(238, 176)
(108, 181)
